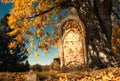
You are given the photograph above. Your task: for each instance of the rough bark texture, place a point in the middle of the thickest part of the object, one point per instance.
(98, 28)
(103, 12)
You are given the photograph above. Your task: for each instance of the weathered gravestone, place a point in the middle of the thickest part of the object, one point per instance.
(72, 47)
(56, 63)
(31, 76)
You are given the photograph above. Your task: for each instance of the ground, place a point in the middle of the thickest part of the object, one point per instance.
(108, 74)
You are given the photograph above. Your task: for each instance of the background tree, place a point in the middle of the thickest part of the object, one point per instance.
(36, 67)
(27, 66)
(95, 15)
(10, 59)
(46, 68)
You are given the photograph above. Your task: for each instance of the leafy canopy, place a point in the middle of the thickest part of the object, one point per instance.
(40, 14)
(27, 14)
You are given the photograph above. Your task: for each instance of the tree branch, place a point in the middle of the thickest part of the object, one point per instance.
(4, 38)
(116, 14)
(62, 3)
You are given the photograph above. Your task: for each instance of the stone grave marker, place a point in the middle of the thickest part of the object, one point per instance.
(31, 76)
(72, 43)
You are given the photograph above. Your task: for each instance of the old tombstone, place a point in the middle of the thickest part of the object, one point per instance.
(31, 76)
(56, 63)
(72, 47)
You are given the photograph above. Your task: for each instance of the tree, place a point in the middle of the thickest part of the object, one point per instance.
(36, 67)
(27, 66)
(46, 68)
(95, 15)
(10, 59)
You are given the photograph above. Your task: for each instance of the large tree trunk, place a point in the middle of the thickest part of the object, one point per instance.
(103, 12)
(98, 28)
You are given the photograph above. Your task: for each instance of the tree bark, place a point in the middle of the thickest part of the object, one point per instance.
(103, 11)
(98, 29)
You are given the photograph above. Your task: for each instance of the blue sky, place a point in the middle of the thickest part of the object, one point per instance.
(43, 59)
(4, 8)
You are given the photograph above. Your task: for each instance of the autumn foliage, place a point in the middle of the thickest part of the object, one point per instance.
(116, 39)
(109, 74)
(39, 14)
(27, 14)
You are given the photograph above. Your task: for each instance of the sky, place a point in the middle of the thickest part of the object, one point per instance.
(43, 59)
(4, 8)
